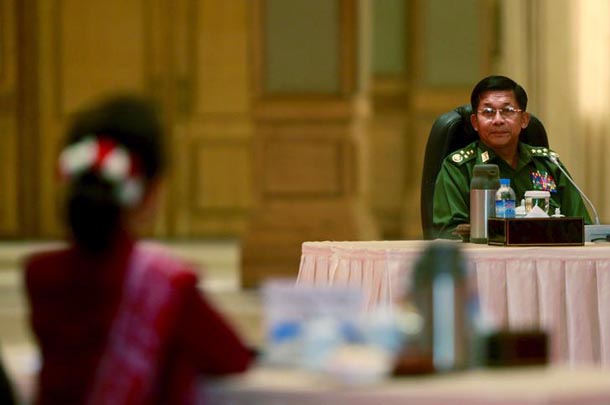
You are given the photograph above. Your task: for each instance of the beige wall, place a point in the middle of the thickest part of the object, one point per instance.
(559, 50)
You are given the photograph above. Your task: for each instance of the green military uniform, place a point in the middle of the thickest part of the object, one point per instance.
(534, 171)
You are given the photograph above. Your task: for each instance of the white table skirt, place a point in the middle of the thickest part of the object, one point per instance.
(499, 387)
(563, 290)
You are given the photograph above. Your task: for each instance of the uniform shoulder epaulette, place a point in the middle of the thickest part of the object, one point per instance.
(463, 155)
(540, 151)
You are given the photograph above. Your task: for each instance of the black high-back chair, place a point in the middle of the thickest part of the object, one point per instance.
(450, 132)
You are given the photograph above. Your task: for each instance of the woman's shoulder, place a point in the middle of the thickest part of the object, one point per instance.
(46, 257)
(160, 259)
(44, 269)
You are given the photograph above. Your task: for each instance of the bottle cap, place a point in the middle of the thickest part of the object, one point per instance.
(505, 182)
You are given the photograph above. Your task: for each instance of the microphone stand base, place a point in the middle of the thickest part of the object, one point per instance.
(595, 233)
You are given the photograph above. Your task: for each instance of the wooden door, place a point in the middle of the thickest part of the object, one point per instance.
(211, 181)
(191, 56)
(87, 50)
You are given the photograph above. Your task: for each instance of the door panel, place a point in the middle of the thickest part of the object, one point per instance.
(10, 211)
(191, 56)
(211, 194)
(86, 50)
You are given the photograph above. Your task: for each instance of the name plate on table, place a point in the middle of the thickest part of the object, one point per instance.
(564, 231)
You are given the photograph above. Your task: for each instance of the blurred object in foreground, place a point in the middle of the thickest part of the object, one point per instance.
(326, 329)
(522, 348)
(442, 298)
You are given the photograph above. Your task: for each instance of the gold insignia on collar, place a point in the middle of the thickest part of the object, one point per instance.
(484, 157)
(457, 158)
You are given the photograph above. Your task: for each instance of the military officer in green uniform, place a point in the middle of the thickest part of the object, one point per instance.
(499, 113)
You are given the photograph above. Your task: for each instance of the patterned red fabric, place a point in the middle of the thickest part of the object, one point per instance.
(76, 300)
(140, 330)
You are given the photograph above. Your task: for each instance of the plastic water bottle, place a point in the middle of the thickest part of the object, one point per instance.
(505, 200)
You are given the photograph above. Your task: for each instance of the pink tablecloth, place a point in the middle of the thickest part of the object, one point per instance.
(563, 290)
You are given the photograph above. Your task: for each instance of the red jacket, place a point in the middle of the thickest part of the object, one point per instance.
(73, 300)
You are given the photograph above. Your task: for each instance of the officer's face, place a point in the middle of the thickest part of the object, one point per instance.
(499, 126)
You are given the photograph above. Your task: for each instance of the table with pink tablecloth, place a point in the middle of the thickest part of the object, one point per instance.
(563, 290)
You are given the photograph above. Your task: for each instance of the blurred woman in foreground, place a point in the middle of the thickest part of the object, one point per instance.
(120, 321)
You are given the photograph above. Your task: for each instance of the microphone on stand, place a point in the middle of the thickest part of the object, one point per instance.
(555, 159)
(592, 232)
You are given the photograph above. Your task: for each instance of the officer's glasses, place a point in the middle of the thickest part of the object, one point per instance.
(507, 112)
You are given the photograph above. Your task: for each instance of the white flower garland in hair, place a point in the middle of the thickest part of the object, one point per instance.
(108, 158)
